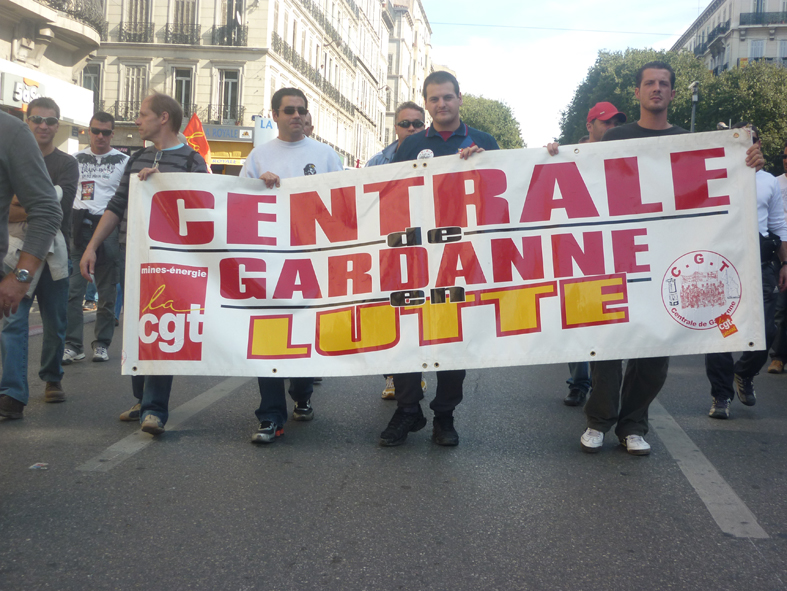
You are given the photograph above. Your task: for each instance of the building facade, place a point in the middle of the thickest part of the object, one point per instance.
(731, 33)
(44, 46)
(223, 60)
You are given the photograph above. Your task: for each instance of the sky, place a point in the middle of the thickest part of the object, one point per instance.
(537, 71)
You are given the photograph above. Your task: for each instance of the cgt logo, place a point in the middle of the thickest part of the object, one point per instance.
(172, 310)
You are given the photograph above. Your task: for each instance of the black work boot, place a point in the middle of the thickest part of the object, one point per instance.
(400, 425)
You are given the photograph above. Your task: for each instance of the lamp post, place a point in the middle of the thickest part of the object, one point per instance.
(695, 98)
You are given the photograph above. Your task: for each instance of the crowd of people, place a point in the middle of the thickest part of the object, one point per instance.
(69, 212)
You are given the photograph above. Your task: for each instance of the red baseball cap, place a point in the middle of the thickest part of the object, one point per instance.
(605, 112)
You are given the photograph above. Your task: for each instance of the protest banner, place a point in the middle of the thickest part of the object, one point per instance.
(637, 248)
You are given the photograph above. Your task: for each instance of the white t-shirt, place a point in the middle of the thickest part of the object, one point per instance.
(291, 159)
(770, 206)
(782, 180)
(99, 177)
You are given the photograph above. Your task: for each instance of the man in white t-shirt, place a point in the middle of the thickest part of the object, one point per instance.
(779, 354)
(100, 170)
(291, 154)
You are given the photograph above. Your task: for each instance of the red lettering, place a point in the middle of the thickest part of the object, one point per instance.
(451, 197)
(292, 270)
(166, 225)
(244, 217)
(459, 260)
(505, 255)
(307, 210)
(623, 189)
(690, 178)
(394, 203)
(346, 268)
(565, 251)
(236, 284)
(416, 262)
(540, 200)
(625, 249)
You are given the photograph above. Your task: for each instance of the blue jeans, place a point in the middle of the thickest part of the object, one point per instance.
(580, 376)
(52, 301)
(153, 395)
(273, 402)
(121, 280)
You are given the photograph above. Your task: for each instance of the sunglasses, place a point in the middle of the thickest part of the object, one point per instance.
(104, 132)
(405, 124)
(754, 139)
(291, 110)
(36, 119)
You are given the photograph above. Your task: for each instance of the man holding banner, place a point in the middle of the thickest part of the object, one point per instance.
(160, 117)
(447, 135)
(291, 154)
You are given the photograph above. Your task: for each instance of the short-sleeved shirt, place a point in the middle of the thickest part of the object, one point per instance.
(99, 178)
(429, 143)
(291, 159)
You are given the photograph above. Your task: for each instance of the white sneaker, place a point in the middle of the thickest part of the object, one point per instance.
(100, 353)
(592, 440)
(153, 425)
(389, 392)
(635, 445)
(69, 356)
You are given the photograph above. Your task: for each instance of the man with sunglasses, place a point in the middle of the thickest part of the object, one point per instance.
(100, 170)
(159, 120)
(49, 285)
(409, 120)
(447, 135)
(291, 154)
(779, 354)
(724, 373)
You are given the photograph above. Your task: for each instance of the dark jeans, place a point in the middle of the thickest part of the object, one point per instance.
(273, 402)
(719, 367)
(780, 341)
(449, 390)
(640, 386)
(153, 394)
(580, 376)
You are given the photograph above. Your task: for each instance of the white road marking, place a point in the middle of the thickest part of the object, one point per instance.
(137, 441)
(727, 509)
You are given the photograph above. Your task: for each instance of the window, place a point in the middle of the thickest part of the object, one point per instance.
(229, 99)
(185, 12)
(91, 79)
(757, 49)
(286, 28)
(276, 17)
(390, 64)
(135, 82)
(758, 5)
(783, 51)
(294, 34)
(137, 11)
(183, 87)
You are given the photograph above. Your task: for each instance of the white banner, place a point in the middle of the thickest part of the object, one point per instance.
(637, 248)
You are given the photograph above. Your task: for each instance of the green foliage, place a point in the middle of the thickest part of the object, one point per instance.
(756, 93)
(493, 117)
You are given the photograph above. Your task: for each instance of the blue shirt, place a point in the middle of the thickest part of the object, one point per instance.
(429, 143)
(383, 157)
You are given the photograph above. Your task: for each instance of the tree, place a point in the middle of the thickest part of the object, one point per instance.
(495, 118)
(756, 92)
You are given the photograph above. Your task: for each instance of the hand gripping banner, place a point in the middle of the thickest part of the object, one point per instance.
(635, 248)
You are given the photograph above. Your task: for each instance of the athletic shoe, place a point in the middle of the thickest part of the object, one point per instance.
(117, 322)
(400, 425)
(776, 366)
(267, 432)
(389, 392)
(90, 307)
(591, 440)
(720, 409)
(303, 411)
(443, 432)
(152, 424)
(635, 445)
(70, 356)
(132, 414)
(745, 388)
(11, 408)
(100, 353)
(53, 392)
(575, 397)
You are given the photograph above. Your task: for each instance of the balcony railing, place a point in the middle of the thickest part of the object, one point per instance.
(188, 111)
(325, 23)
(136, 32)
(301, 65)
(182, 34)
(89, 12)
(224, 114)
(763, 18)
(123, 110)
(718, 31)
(234, 35)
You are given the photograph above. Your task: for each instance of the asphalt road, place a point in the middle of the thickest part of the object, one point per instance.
(517, 505)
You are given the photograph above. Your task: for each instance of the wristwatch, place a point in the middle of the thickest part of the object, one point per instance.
(23, 275)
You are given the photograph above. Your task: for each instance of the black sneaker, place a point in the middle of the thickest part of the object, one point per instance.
(267, 432)
(443, 432)
(400, 425)
(745, 388)
(720, 409)
(303, 411)
(11, 408)
(575, 397)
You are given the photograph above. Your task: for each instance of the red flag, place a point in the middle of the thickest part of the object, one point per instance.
(195, 135)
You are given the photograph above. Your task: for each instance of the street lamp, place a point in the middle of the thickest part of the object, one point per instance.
(695, 98)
